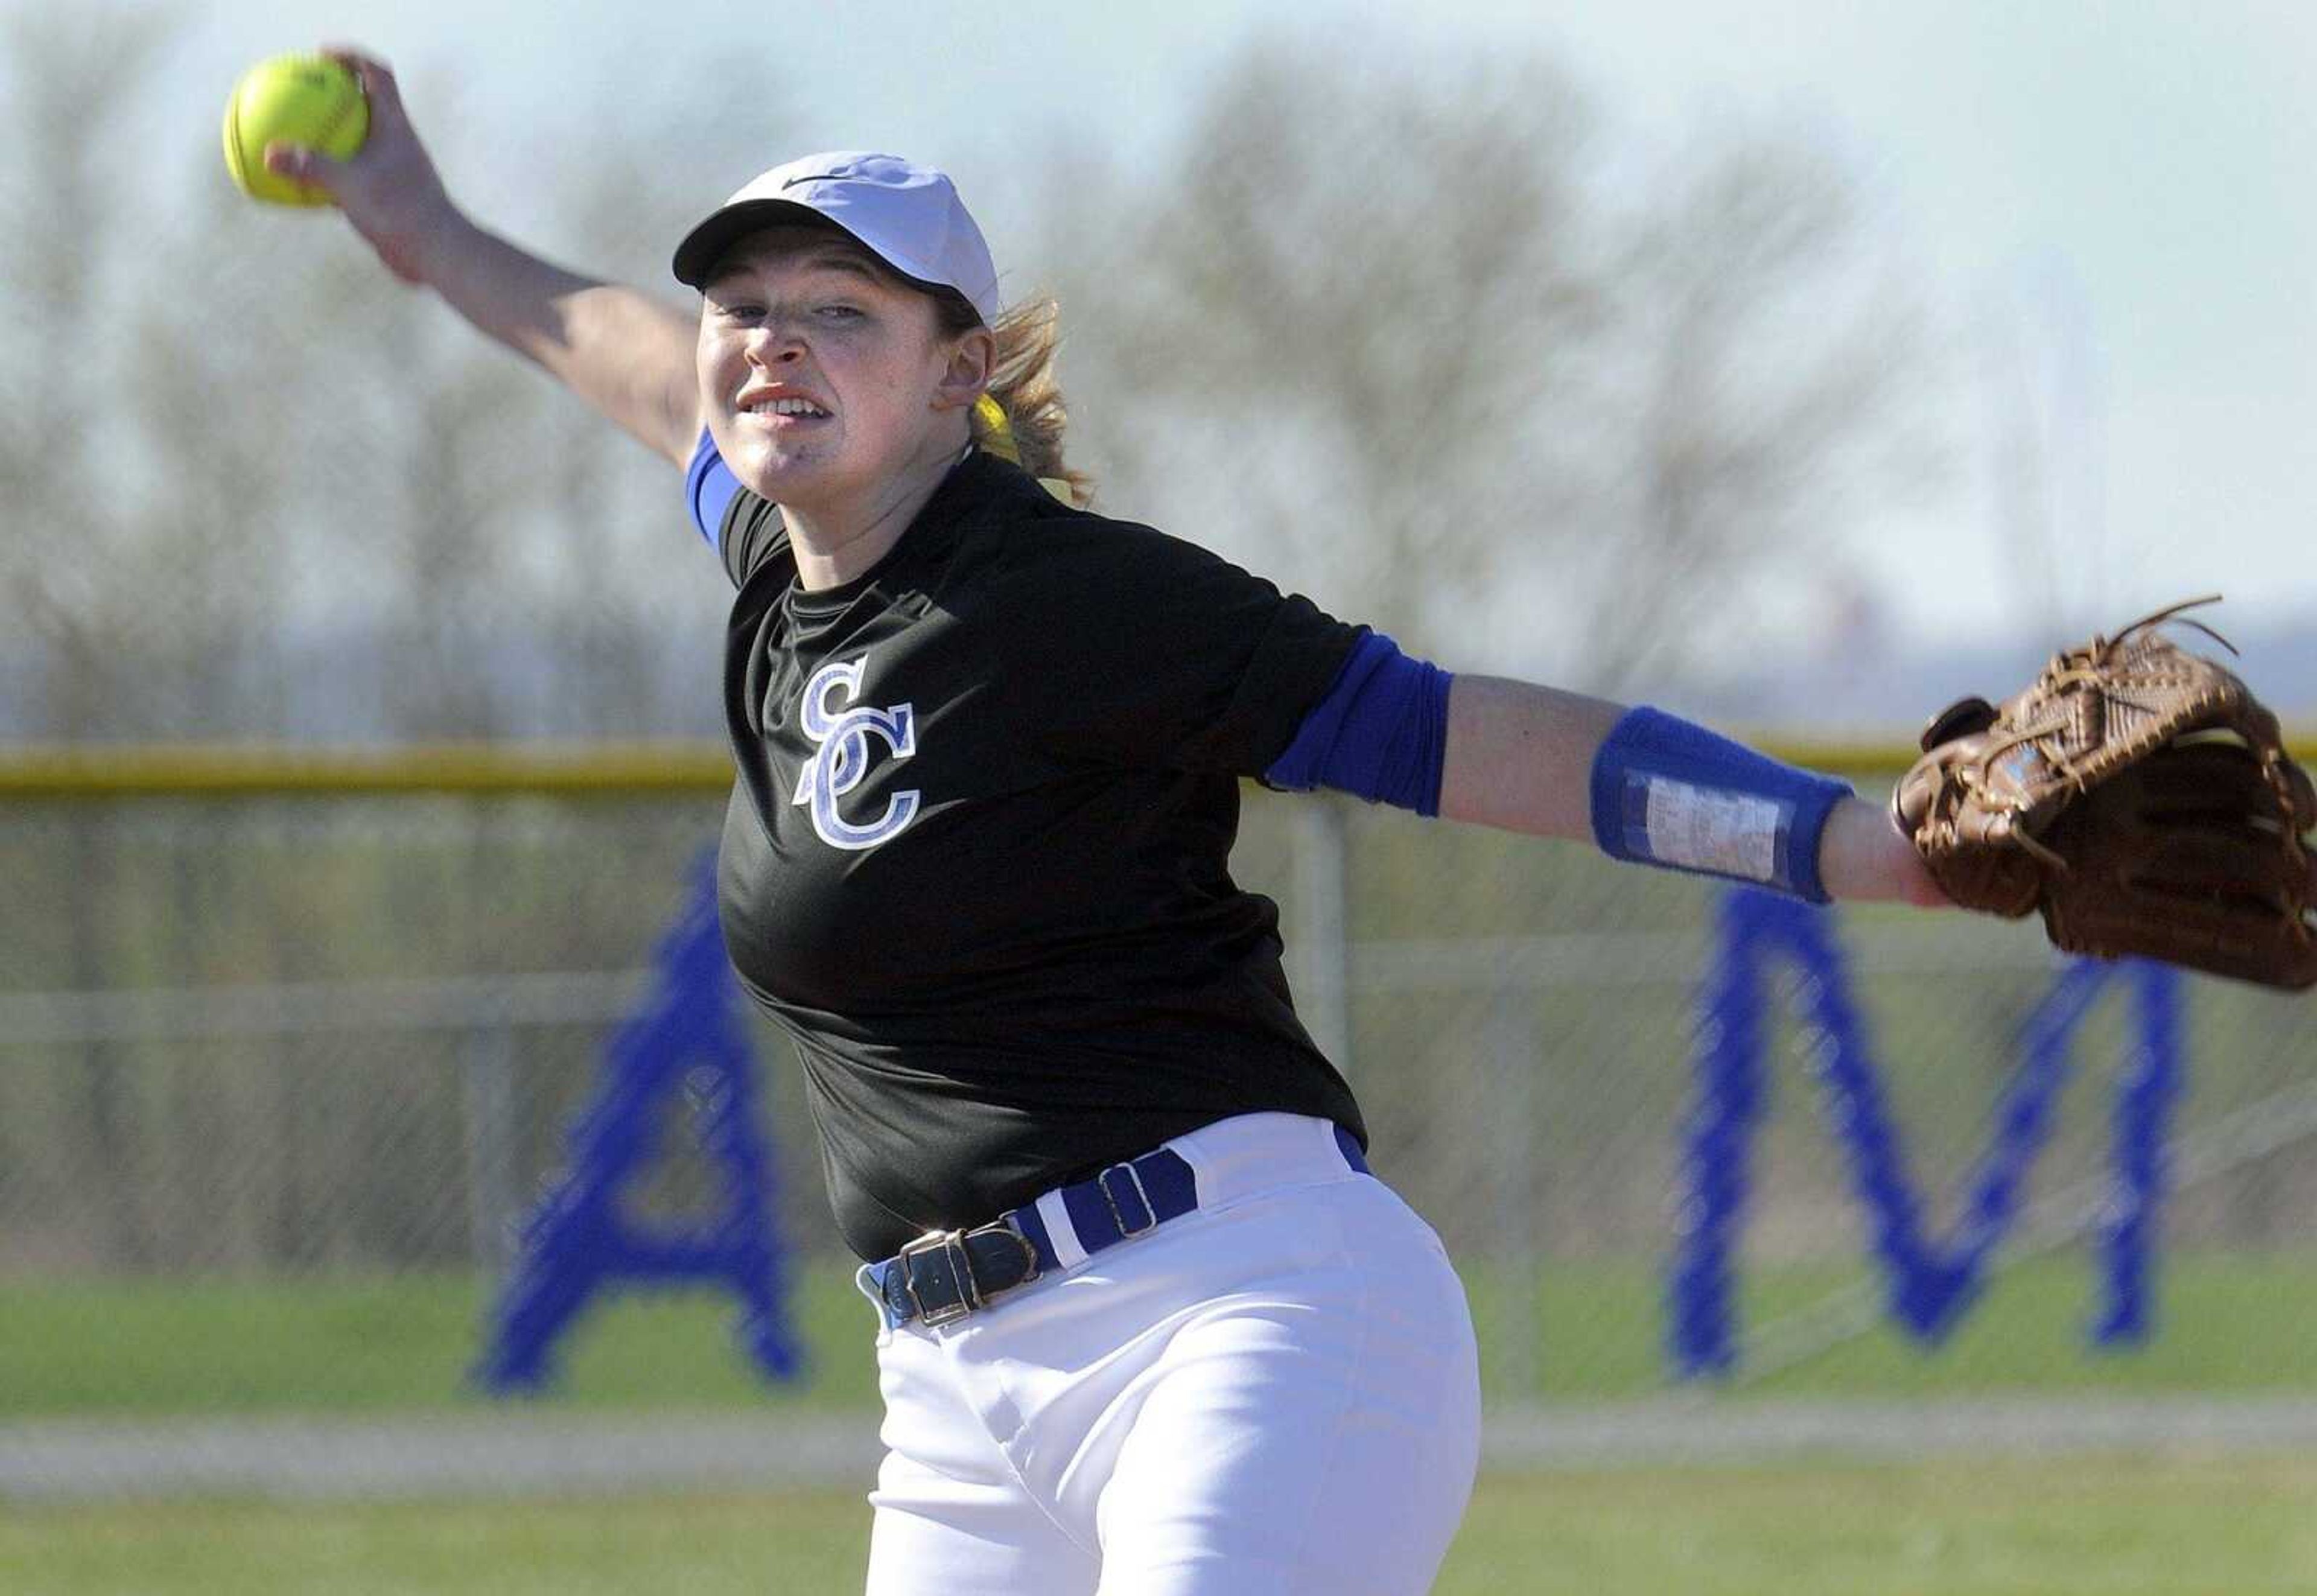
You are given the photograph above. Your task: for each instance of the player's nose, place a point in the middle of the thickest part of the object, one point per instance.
(770, 345)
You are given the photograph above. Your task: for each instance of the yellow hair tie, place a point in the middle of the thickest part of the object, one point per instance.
(997, 437)
(997, 432)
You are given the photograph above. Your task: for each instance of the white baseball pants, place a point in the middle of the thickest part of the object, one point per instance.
(1275, 1394)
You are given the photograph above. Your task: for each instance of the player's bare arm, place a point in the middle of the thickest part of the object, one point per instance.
(1518, 754)
(1521, 758)
(627, 353)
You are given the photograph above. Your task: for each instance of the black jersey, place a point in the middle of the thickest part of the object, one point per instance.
(976, 863)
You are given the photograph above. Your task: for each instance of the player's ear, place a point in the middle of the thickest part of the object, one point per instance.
(972, 358)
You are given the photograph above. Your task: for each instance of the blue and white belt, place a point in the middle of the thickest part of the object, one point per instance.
(940, 1277)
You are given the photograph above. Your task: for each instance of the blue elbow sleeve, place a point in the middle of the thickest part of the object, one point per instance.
(709, 490)
(1381, 733)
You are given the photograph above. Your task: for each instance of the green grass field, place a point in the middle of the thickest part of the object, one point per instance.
(377, 1344)
(2090, 1526)
(2104, 1524)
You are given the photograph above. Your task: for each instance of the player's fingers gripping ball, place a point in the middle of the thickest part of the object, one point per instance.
(293, 99)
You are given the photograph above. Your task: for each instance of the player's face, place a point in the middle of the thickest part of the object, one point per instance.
(824, 375)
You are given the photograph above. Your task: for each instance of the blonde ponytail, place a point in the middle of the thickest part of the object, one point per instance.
(1022, 417)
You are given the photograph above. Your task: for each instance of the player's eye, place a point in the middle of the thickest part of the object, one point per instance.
(840, 311)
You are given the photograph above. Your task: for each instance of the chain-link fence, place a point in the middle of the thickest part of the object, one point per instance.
(280, 1076)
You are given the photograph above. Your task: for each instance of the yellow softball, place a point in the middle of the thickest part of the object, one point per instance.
(296, 99)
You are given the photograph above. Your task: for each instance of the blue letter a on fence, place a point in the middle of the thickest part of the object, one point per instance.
(685, 1037)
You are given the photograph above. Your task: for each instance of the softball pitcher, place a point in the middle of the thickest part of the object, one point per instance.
(1145, 1322)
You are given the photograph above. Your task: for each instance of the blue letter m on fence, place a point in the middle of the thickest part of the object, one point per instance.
(1928, 1284)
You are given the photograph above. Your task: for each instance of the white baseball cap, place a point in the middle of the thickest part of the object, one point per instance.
(908, 215)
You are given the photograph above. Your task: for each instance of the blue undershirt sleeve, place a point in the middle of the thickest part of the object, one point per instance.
(709, 486)
(1381, 733)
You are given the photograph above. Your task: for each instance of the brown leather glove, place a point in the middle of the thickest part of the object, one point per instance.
(2137, 794)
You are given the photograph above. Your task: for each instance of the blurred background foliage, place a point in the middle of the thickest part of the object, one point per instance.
(1443, 350)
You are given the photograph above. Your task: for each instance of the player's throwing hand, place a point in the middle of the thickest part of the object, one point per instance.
(389, 190)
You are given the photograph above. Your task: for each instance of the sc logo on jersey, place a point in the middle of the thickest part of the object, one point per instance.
(838, 765)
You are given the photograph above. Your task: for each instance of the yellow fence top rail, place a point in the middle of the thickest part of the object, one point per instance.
(553, 769)
(213, 770)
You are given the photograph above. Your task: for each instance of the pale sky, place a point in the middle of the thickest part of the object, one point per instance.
(2123, 186)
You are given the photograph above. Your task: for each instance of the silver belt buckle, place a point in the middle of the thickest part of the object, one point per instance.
(951, 1244)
